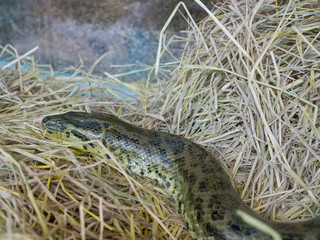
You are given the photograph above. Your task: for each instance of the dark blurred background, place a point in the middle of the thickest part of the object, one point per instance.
(67, 31)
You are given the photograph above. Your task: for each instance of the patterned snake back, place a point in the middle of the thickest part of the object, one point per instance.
(196, 181)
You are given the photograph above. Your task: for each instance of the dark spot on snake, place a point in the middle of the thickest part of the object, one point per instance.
(154, 134)
(113, 148)
(199, 210)
(179, 160)
(126, 142)
(79, 135)
(198, 204)
(168, 184)
(136, 144)
(67, 134)
(85, 147)
(201, 157)
(211, 201)
(163, 156)
(207, 169)
(235, 227)
(148, 153)
(106, 125)
(214, 232)
(185, 173)
(191, 195)
(190, 149)
(216, 207)
(249, 231)
(192, 178)
(210, 229)
(94, 127)
(155, 143)
(119, 137)
(218, 167)
(202, 186)
(195, 164)
(107, 140)
(215, 215)
(175, 145)
(92, 145)
(199, 214)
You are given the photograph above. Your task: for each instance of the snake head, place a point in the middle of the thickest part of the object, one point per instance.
(82, 131)
(74, 127)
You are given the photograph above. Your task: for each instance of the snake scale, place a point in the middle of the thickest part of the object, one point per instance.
(197, 182)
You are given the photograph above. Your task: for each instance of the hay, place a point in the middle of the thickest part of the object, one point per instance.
(246, 87)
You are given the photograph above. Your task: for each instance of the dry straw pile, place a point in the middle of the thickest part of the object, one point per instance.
(246, 87)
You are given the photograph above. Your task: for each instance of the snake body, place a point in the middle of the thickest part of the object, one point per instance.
(197, 182)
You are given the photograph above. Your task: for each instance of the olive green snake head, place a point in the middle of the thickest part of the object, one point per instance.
(197, 182)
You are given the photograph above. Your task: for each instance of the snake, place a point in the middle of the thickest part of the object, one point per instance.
(197, 182)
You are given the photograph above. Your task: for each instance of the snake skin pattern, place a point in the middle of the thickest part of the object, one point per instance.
(196, 181)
